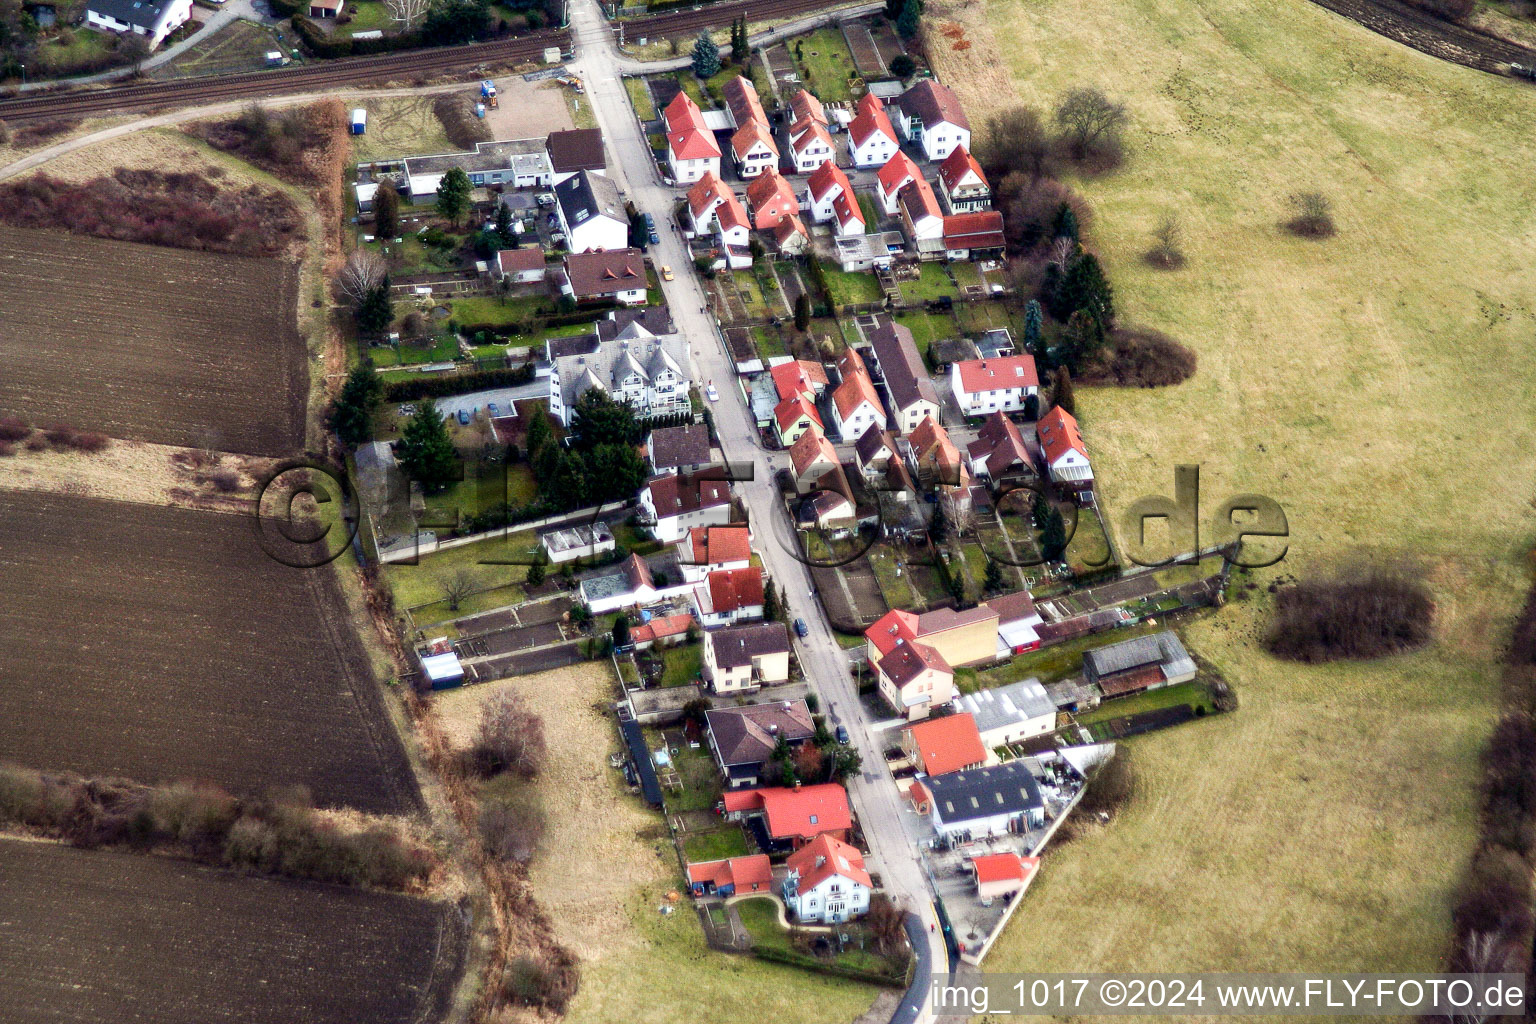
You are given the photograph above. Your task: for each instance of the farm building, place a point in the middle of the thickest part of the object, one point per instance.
(1010, 714)
(1143, 663)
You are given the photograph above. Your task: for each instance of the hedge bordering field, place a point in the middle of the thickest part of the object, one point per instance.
(811, 963)
(457, 384)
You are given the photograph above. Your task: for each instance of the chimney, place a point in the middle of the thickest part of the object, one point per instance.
(797, 786)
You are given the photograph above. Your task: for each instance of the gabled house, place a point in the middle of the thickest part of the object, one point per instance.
(524, 265)
(914, 678)
(810, 145)
(705, 200)
(753, 149)
(743, 739)
(1066, 457)
(970, 236)
(827, 882)
(790, 235)
(636, 357)
(661, 631)
(912, 394)
(803, 106)
(922, 222)
(152, 19)
(771, 201)
(960, 638)
(1001, 875)
(871, 136)
(1010, 714)
(894, 175)
(829, 505)
(591, 213)
(571, 152)
(740, 658)
(793, 417)
(831, 198)
(874, 451)
(741, 98)
(734, 877)
(707, 549)
(930, 115)
(729, 596)
(1003, 384)
(855, 404)
(782, 818)
(971, 805)
(963, 185)
(811, 458)
(937, 746)
(799, 377)
(617, 274)
(684, 448)
(630, 586)
(935, 459)
(677, 502)
(692, 151)
(999, 452)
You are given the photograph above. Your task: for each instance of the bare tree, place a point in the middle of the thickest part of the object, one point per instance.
(1015, 141)
(1089, 122)
(457, 587)
(406, 13)
(512, 832)
(363, 273)
(887, 922)
(511, 737)
(1313, 215)
(1167, 251)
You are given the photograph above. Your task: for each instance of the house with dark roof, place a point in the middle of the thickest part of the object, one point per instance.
(930, 116)
(783, 818)
(961, 637)
(1143, 663)
(743, 739)
(912, 395)
(971, 805)
(617, 274)
(729, 596)
(591, 213)
(1000, 452)
(573, 151)
(636, 357)
(1019, 623)
(745, 657)
(913, 678)
(873, 452)
(152, 19)
(674, 503)
(1003, 384)
(685, 447)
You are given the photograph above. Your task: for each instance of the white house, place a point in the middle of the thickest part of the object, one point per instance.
(692, 151)
(591, 213)
(729, 596)
(921, 219)
(1010, 714)
(981, 802)
(630, 586)
(709, 549)
(912, 394)
(745, 657)
(152, 19)
(1000, 384)
(636, 357)
(677, 502)
(524, 265)
(831, 198)
(855, 403)
(962, 183)
(871, 136)
(810, 144)
(894, 175)
(930, 115)
(1066, 457)
(713, 209)
(753, 149)
(827, 882)
(580, 541)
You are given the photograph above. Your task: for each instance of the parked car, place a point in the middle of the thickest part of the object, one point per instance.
(801, 630)
(654, 238)
(546, 199)
(649, 222)
(493, 408)
(710, 392)
(463, 417)
(842, 734)
(666, 273)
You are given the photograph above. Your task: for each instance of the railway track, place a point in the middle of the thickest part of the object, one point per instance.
(1459, 44)
(345, 71)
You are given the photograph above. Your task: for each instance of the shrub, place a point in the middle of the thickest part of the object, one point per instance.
(226, 481)
(548, 980)
(7, 449)
(1112, 785)
(252, 844)
(511, 737)
(1451, 10)
(512, 829)
(199, 815)
(1364, 614)
(1143, 358)
(21, 794)
(1495, 895)
(14, 428)
(1313, 215)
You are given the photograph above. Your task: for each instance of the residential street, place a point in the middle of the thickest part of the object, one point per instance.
(874, 796)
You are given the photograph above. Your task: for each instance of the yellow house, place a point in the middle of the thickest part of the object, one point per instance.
(793, 417)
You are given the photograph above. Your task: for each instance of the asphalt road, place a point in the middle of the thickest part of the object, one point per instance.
(874, 795)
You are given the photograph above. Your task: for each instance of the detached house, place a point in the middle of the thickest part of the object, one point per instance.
(729, 596)
(708, 549)
(591, 213)
(785, 819)
(1000, 384)
(871, 136)
(855, 403)
(524, 265)
(684, 448)
(617, 274)
(677, 502)
(811, 458)
(962, 184)
(771, 201)
(635, 357)
(152, 19)
(1066, 457)
(827, 882)
(922, 222)
(832, 199)
(894, 175)
(692, 151)
(799, 377)
(571, 152)
(970, 235)
(999, 451)
(938, 746)
(743, 740)
(714, 209)
(793, 417)
(913, 678)
(745, 657)
(810, 145)
(930, 115)
(913, 398)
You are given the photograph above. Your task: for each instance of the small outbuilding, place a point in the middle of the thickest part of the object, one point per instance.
(359, 121)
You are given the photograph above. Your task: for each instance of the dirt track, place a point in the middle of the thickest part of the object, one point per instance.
(1459, 44)
(91, 936)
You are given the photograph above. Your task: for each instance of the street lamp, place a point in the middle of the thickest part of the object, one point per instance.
(23, 74)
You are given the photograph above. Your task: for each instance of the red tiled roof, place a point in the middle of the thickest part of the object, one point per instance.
(705, 191)
(826, 177)
(957, 166)
(660, 628)
(890, 629)
(734, 589)
(804, 104)
(771, 199)
(1013, 607)
(716, 545)
(606, 273)
(673, 495)
(804, 452)
(748, 874)
(847, 209)
(638, 573)
(748, 135)
(803, 133)
(693, 144)
(788, 228)
(806, 812)
(1059, 435)
(825, 856)
(528, 257)
(909, 659)
(897, 170)
(980, 230)
(682, 113)
(871, 119)
(930, 434)
(733, 215)
(948, 744)
(919, 201)
(789, 411)
(1002, 867)
(798, 377)
(1000, 373)
(856, 388)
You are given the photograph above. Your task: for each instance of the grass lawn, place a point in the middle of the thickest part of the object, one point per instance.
(1193, 693)
(682, 664)
(85, 45)
(367, 15)
(440, 348)
(417, 585)
(717, 845)
(927, 328)
(640, 98)
(966, 274)
(490, 309)
(897, 590)
(1313, 355)
(870, 211)
(769, 341)
(629, 536)
(848, 289)
(932, 282)
(399, 126)
(826, 63)
(761, 918)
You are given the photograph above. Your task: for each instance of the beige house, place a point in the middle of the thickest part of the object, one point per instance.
(745, 657)
(914, 679)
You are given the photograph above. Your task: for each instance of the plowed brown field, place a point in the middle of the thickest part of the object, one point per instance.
(162, 643)
(93, 936)
(151, 343)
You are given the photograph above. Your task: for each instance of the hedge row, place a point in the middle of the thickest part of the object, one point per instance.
(457, 384)
(322, 45)
(810, 963)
